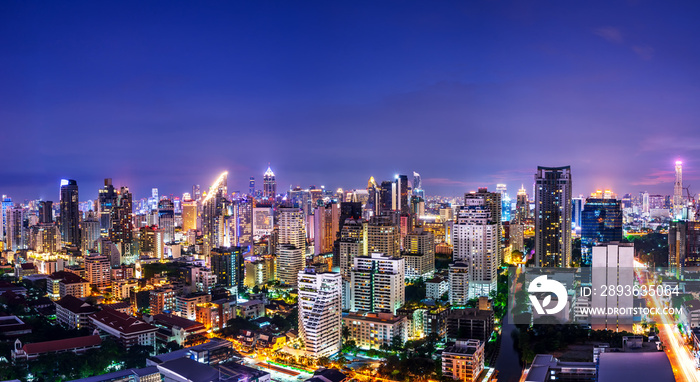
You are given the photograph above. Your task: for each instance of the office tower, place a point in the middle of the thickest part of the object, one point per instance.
(106, 248)
(612, 264)
(292, 229)
(683, 244)
(492, 201)
(166, 219)
(386, 196)
(458, 278)
(245, 220)
(89, 233)
(189, 213)
(383, 236)
(14, 228)
(290, 259)
(213, 215)
(645, 203)
(227, 265)
(106, 197)
(522, 205)
(418, 186)
(553, 217)
(196, 192)
(263, 221)
(319, 312)
(373, 198)
(6, 203)
(251, 187)
(151, 241)
(269, 184)
(401, 195)
(505, 202)
(475, 239)
(122, 232)
(378, 283)
(326, 220)
(678, 192)
(97, 271)
(70, 215)
(46, 212)
(419, 254)
(601, 222)
(576, 213)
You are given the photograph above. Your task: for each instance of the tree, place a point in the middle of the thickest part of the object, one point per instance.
(396, 343)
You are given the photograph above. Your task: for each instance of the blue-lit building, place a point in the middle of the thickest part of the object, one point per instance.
(576, 209)
(601, 222)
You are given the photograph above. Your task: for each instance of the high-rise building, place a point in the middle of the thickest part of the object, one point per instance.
(106, 198)
(89, 233)
(70, 214)
(290, 259)
(418, 186)
(492, 201)
(378, 283)
(386, 197)
(353, 243)
(683, 244)
(213, 215)
(151, 240)
(196, 192)
(612, 264)
(373, 198)
(419, 254)
(576, 213)
(553, 217)
(401, 195)
(475, 243)
(326, 223)
(166, 219)
(189, 213)
(14, 228)
(269, 184)
(45, 212)
(383, 236)
(678, 192)
(97, 271)
(464, 361)
(458, 283)
(320, 312)
(505, 202)
(292, 228)
(601, 222)
(227, 265)
(122, 231)
(522, 205)
(251, 187)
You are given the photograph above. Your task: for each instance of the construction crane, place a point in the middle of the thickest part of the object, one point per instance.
(692, 205)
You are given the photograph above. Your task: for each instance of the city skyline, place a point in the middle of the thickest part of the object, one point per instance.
(368, 91)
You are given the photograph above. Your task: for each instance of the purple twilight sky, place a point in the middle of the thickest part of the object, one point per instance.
(166, 94)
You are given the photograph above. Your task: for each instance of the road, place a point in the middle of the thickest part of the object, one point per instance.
(682, 361)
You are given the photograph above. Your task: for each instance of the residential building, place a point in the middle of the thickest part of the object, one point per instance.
(464, 361)
(126, 330)
(436, 287)
(553, 217)
(376, 330)
(378, 283)
(72, 313)
(601, 222)
(612, 264)
(320, 312)
(458, 283)
(97, 270)
(472, 323)
(419, 253)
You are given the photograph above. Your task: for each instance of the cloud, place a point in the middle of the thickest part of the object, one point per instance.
(444, 182)
(645, 52)
(656, 177)
(611, 34)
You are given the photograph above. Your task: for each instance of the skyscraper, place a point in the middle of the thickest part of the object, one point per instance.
(319, 312)
(418, 185)
(553, 216)
(46, 212)
(386, 196)
(14, 228)
(401, 195)
(106, 197)
(269, 184)
(90, 232)
(601, 222)
(373, 198)
(227, 265)
(213, 215)
(326, 222)
(492, 201)
(166, 219)
(383, 236)
(353, 243)
(475, 240)
(522, 205)
(121, 233)
(70, 214)
(251, 186)
(678, 192)
(613, 264)
(189, 213)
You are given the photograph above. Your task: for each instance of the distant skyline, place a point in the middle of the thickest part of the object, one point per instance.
(470, 94)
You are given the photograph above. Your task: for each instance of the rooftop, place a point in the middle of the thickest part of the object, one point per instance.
(638, 367)
(76, 305)
(62, 345)
(121, 322)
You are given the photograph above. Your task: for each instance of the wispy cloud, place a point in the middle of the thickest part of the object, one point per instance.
(444, 182)
(611, 34)
(645, 52)
(656, 177)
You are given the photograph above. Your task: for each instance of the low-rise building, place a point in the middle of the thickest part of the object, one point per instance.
(463, 361)
(13, 326)
(185, 305)
(251, 310)
(77, 345)
(181, 330)
(372, 330)
(126, 330)
(73, 313)
(435, 288)
(473, 323)
(162, 300)
(63, 283)
(690, 314)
